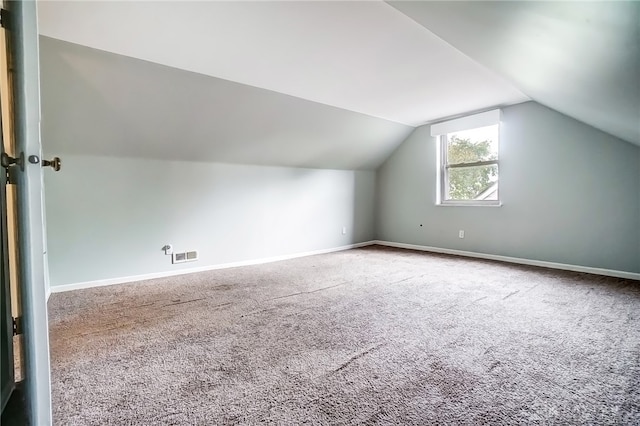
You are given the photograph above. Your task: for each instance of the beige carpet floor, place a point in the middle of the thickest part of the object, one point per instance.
(367, 336)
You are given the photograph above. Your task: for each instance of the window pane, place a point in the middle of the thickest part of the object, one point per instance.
(473, 183)
(470, 146)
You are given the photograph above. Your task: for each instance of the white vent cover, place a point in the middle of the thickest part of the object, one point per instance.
(185, 256)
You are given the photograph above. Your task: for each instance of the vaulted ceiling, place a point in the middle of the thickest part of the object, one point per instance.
(579, 58)
(321, 84)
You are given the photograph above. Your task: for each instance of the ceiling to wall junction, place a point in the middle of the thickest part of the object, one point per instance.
(319, 84)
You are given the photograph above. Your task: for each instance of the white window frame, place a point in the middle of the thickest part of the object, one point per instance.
(441, 131)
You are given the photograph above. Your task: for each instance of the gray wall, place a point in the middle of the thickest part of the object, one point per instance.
(570, 193)
(109, 217)
(155, 155)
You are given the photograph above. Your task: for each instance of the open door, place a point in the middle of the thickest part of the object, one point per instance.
(24, 166)
(7, 367)
(7, 377)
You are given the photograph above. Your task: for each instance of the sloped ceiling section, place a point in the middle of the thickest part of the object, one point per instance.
(579, 58)
(100, 103)
(332, 84)
(363, 56)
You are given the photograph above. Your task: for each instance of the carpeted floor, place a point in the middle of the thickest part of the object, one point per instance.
(367, 336)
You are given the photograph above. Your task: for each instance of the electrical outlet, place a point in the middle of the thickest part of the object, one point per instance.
(344, 230)
(461, 233)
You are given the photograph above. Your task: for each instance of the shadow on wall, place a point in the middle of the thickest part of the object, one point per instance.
(364, 206)
(100, 103)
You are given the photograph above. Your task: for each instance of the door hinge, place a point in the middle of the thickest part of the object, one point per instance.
(5, 19)
(12, 176)
(9, 164)
(17, 326)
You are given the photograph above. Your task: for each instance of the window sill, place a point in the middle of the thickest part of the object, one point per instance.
(468, 204)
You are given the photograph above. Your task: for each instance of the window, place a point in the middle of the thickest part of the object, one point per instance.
(468, 160)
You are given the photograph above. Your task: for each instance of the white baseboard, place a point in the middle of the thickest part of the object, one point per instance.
(521, 261)
(122, 280)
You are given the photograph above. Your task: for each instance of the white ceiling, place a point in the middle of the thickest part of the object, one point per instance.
(398, 62)
(579, 58)
(363, 56)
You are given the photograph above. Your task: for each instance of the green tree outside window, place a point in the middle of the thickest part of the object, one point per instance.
(469, 183)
